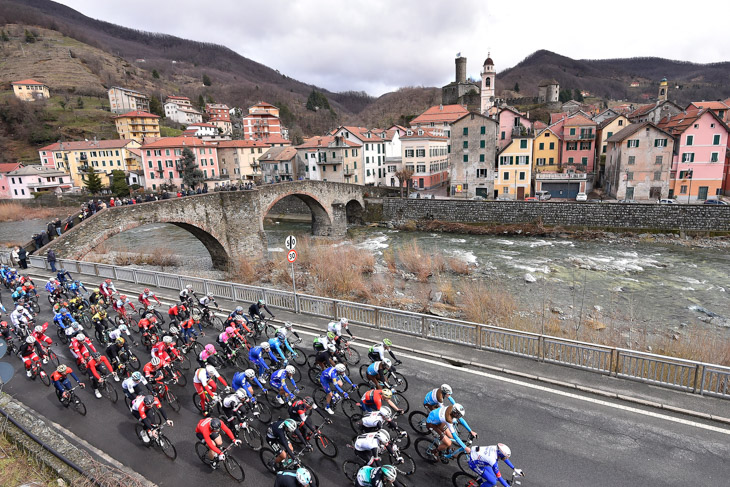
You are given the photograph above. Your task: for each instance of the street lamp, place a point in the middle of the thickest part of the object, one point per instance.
(689, 176)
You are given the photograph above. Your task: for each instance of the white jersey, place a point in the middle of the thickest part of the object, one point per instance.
(129, 384)
(231, 401)
(204, 374)
(367, 442)
(116, 333)
(373, 420)
(335, 327)
(487, 454)
(205, 300)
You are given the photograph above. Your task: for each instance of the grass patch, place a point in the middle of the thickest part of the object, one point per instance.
(17, 467)
(416, 261)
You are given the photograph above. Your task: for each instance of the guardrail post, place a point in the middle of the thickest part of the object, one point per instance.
(114, 270)
(296, 303)
(424, 331)
(377, 318)
(541, 348)
(478, 341)
(698, 367)
(614, 366)
(702, 384)
(134, 274)
(334, 310)
(233, 293)
(96, 269)
(205, 285)
(179, 283)
(157, 279)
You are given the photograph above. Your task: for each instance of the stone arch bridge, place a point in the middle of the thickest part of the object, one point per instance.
(228, 223)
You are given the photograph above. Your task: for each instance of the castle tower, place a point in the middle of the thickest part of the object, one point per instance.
(663, 90)
(488, 84)
(461, 69)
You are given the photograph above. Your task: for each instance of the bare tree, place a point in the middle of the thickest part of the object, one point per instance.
(404, 176)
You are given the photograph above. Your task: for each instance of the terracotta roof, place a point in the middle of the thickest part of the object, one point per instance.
(682, 121)
(440, 113)
(263, 104)
(8, 166)
(179, 141)
(323, 142)
(538, 125)
(579, 120)
(231, 144)
(277, 154)
(556, 117)
(275, 139)
(642, 110)
(712, 105)
(87, 144)
(427, 134)
(632, 129)
(137, 114)
(28, 82)
(136, 152)
(472, 113)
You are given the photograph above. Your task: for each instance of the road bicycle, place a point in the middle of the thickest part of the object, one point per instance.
(36, 370)
(143, 310)
(395, 379)
(163, 392)
(268, 458)
(242, 429)
(157, 439)
(397, 398)
(49, 354)
(346, 353)
(349, 406)
(211, 402)
(233, 468)
(207, 317)
(427, 449)
(464, 479)
(70, 398)
(324, 444)
(405, 467)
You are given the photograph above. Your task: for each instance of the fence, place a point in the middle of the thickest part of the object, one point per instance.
(686, 375)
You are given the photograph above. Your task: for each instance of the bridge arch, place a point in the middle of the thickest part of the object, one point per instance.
(354, 212)
(321, 217)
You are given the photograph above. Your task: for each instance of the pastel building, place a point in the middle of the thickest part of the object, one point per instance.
(473, 153)
(262, 122)
(514, 168)
(331, 158)
(239, 159)
(30, 90)
(511, 124)
(546, 150)
(439, 118)
(137, 126)
(579, 138)
(28, 180)
(123, 100)
(5, 168)
(161, 160)
(426, 154)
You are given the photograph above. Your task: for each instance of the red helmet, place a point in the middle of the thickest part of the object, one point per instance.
(107, 280)
(122, 297)
(146, 290)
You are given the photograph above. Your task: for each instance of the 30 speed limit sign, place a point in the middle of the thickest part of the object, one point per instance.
(291, 256)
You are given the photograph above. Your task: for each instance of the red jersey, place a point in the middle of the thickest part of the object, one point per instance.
(204, 429)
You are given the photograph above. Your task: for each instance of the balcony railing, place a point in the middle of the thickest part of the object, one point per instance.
(560, 175)
(336, 160)
(581, 136)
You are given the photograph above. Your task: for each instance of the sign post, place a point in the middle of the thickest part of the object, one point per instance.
(291, 256)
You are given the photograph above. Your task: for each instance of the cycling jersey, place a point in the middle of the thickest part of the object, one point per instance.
(205, 433)
(275, 344)
(286, 479)
(372, 400)
(241, 382)
(278, 380)
(373, 420)
(255, 355)
(329, 377)
(370, 477)
(485, 462)
(437, 417)
(140, 411)
(132, 388)
(61, 382)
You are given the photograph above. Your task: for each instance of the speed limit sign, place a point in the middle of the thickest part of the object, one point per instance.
(291, 256)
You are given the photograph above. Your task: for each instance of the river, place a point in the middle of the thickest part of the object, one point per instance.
(657, 287)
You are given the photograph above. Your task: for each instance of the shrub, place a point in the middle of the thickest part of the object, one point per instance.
(415, 260)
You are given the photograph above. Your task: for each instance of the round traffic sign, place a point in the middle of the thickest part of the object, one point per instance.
(291, 256)
(290, 242)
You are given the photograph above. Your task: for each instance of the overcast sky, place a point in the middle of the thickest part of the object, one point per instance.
(380, 45)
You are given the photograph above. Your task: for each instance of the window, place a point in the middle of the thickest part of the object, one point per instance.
(409, 152)
(571, 146)
(713, 157)
(551, 161)
(632, 160)
(483, 130)
(482, 144)
(572, 131)
(570, 160)
(466, 158)
(633, 143)
(716, 139)
(608, 135)
(505, 190)
(660, 142)
(585, 146)
(657, 175)
(522, 175)
(420, 152)
(542, 146)
(466, 131)
(688, 157)
(620, 124)
(659, 159)
(466, 144)
(584, 161)
(690, 139)
(502, 135)
(421, 168)
(683, 189)
(482, 173)
(629, 176)
(552, 145)
(481, 157)
(523, 144)
(506, 176)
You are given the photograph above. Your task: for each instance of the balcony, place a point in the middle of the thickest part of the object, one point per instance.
(581, 136)
(348, 172)
(560, 176)
(332, 161)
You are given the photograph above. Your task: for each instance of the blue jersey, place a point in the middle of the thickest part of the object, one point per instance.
(278, 378)
(255, 354)
(58, 319)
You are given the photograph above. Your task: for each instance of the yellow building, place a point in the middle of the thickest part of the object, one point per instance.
(138, 125)
(239, 159)
(609, 127)
(514, 169)
(30, 90)
(104, 156)
(546, 151)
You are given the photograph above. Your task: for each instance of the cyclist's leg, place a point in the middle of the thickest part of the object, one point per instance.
(490, 479)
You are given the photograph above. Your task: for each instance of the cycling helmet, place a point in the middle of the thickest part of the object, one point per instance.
(215, 424)
(387, 342)
(61, 369)
(250, 374)
(331, 348)
(123, 328)
(155, 361)
(281, 336)
(239, 309)
(265, 345)
(290, 425)
(303, 476)
(239, 319)
(210, 348)
(149, 316)
(383, 436)
(387, 393)
(30, 339)
(12, 269)
(123, 297)
(19, 308)
(290, 370)
(38, 329)
(209, 369)
(229, 330)
(457, 411)
(344, 322)
(96, 355)
(387, 363)
(288, 325)
(167, 339)
(340, 369)
(309, 401)
(446, 389)
(108, 281)
(331, 335)
(63, 311)
(385, 412)
(3, 323)
(261, 302)
(389, 472)
(189, 287)
(137, 376)
(19, 289)
(81, 337)
(174, 330)
(120, 341)
(504, 450)
(209, 294)
(146, 290)
(241, 394)
(149, 400)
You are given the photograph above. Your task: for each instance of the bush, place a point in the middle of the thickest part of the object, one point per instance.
(416, 261)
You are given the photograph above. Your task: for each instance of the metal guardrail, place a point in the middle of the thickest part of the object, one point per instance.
(685, 375)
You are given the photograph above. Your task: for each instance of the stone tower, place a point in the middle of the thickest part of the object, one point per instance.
(461, 69)
(663, 90)
(488, 87)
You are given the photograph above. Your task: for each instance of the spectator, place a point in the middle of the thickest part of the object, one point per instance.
(69, 223)
(57, 226)
(38, 240)
(14, 256)
(52, 259)
(23, 258)
(51, 229)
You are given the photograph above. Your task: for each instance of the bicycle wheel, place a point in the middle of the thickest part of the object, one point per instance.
(134, 326)
(216, 323)
(355, 423)
(159, 316)
(173, 401)
(326, 446)
(184, 362)
(253, 438)
(196, 348)
(408, 467)
(350, 407)
(85, 321)
(241, 362)
(401, 401)
(264, 415)
(426, 449)
(363, 372)
(196, 402)
(167, 448)
(269, 330)
(45, 378)
(53, 357)
(108, 391)
(268, 458)
(133, 361)
(234, 469)
(463, 461)
(352, 356)
(362, 388)
(182, 381)
(313, 374)
(36, 306)
(320, 397)
(417, 420)
(79, 406)
(350, 469)
(201, 449)
(301, 358)
(462, 479)
(400, 384)
(403, 441)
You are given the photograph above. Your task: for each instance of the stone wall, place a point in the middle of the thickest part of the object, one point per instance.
(592, 215)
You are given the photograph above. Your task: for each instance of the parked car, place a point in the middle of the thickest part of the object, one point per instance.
(414, 196)
(543, 195)
(581, 197)
(713, 201)
(478, 198)
(667, 201)
(531, 198)
(627, 201)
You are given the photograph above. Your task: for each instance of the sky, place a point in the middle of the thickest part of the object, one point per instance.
(377, 46)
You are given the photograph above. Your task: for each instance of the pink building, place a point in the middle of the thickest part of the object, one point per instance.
(579, 144)
(161, 160)
(511, 123)
(698, 165)
(5, 168)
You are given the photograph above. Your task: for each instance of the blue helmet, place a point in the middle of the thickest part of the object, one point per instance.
(63, 311)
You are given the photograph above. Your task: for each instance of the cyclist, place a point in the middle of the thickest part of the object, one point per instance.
(255, 310)
(231, 405)
(161, 349)
(152, 370)
(19, 294)
(5, 333)
(53, 287)
(67, 323)
(39, 333)
(372, 400)
(336, 328)
(377, 352)
(206, 300)
(75, 287)
(223, 340)
(114, 349)
(99, 318)
(145, 296)
(177, 313)
(287, 330)
(187, 294)
(94, 376)
(21, 316)
(376, 373)
(208, 356)
(204, 380)
(237, 312)
(122, 331)
(377, 420)
(107, 289)
(256, 357)
(278, 383)
(64, 276)
(369, 446)
(97, 298)
(281, 335)
(240, 323)
(140, 407)
(441, 421)
(300, 410)
(331, 379)
(276, 437)
(30, 352)
(148, 326)
(209, 431)
(484, 460)
(188, 329)
(376, 476)
(135, 385)
(119, 305)
(59, 377)
(289, 478)
(244, 381)
(436, 397)
(321, 342)
(326, 358)
(275, 346)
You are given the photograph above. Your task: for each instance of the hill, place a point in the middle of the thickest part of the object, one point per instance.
(611, 78)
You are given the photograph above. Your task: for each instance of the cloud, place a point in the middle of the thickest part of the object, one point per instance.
(380, 45)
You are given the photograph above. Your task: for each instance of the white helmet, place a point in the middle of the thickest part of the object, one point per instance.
(38, 329)
(189, 287)
(265, 345)
(504, 449)
(174, 330)
(167, 339)
(211, 370)
(388, 364)
(155, 361)
(385, 412)
(19, 308)
(30, 339)
(457, 411)
(241, 394)
(331, 348)
(250, 374)
(344, 322)
(340, 369)
(383, 436)
(290, 370)
(123, 328)
(81, 337)
(446, 389)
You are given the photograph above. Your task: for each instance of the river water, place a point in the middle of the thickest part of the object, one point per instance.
(657, 286)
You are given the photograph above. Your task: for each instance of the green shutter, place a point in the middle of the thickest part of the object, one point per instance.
(484, 130)
(482, 144)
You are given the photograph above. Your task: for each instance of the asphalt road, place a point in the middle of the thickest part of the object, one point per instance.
(556, 437)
